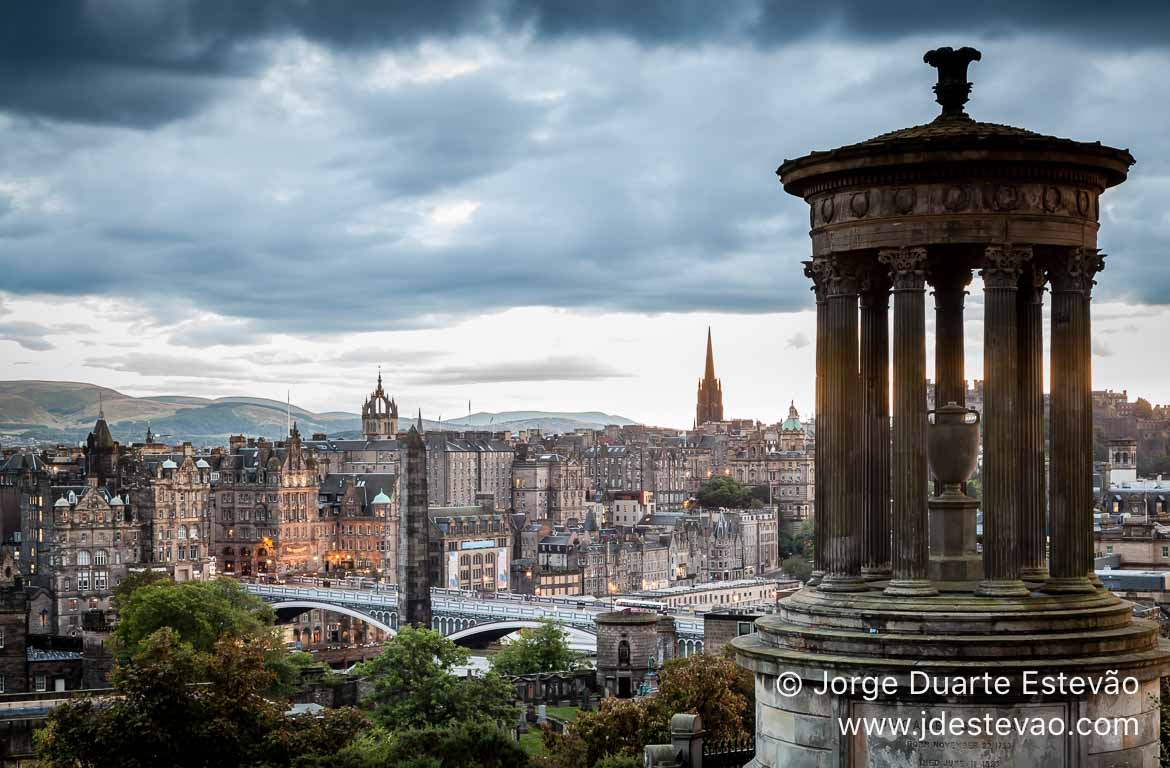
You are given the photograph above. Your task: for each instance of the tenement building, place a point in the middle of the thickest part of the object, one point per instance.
(900, 589)
(359, 523)
(173, 492)
(99, 537)
(547, 486)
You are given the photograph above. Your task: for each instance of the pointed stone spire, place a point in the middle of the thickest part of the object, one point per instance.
(420, 426)
(709, 372)
(101, 407)
(710, 396)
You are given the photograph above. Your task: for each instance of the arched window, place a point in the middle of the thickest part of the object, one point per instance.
(194, 532)
(182, 533)
(101, 557)
(83, 557)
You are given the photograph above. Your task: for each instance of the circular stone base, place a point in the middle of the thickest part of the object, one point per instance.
(917, 646)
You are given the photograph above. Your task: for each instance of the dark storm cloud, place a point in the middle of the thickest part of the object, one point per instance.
(626, 167)
(148, 63)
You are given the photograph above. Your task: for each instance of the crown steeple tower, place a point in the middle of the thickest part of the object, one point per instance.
(379, 414)
(710, 398)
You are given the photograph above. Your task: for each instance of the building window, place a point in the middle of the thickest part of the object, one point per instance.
(82, 581)
(83, 557)
(101, 557)
(3, 687)
(1165, 551)
(73, 603)
(41, 683)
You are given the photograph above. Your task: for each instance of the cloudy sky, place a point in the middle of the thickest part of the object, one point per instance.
(526, 205)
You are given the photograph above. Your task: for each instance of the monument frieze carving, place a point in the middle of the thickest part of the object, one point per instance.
(1025, 198)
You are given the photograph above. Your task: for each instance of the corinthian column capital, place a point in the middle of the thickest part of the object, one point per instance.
(840, 278)
(1075, 272)
(907, 267)
(1003, 264)
(815, 270)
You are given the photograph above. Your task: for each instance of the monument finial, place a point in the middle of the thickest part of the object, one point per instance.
(953, 89)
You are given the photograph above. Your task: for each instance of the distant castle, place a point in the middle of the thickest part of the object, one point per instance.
(710, 399)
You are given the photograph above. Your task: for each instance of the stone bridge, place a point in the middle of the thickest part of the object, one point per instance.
(466, 618)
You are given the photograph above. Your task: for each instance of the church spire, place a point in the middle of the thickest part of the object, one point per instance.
(709, 372)
(101, 407)
(710, 397)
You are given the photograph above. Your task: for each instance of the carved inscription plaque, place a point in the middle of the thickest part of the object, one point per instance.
(956, 746)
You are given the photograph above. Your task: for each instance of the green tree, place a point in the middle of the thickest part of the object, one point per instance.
(618, 761)
(619, 727)
(713, 687)
(133, 581)
(709, 686)
(723, 491)
(177, 706)
(461, 745)
(201, 613)
(414, 686)
(797, 567)
(535, 651)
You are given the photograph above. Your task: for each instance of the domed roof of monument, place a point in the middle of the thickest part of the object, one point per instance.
(381, 498)
(954, 137)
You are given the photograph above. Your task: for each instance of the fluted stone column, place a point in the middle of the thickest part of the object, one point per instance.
(1001, 421)
(950, 289)
(1071, 490)
(875, 424)
(1031, 534)
(813, 270)
(842, 411)
(910, 554)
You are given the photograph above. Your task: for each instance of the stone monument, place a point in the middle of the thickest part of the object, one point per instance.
(906, 618)
(627, 650)
(414, 578)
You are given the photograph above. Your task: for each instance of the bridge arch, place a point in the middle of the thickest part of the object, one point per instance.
(383, 620)
(493, 630)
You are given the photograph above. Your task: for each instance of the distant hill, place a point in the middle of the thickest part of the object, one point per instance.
(63, 411)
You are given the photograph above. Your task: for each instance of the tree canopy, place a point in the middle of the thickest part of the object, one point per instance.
(724, 491)
(414, 686)
(200, 613)
(536, 651)
(713, 687)
(462, 745)
(177, 706)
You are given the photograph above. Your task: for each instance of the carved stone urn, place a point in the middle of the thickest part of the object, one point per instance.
(952, 445)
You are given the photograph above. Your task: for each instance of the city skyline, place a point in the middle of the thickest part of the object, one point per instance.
(291, 208)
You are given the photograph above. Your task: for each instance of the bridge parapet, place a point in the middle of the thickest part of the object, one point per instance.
(380, 604)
